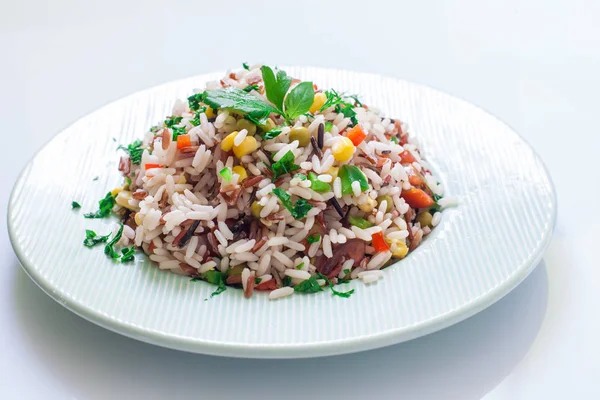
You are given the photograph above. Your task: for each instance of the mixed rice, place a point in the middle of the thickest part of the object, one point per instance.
(267, 183)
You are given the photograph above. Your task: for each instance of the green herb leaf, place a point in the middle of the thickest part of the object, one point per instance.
(313, 238)
(109, 249)
(92, 239)
(236, 99)
(75, 205)
(273, 133)
(350, 113)
(257, 281)
(335, 292)
(196, 120)
(308, 286)
(97, 177)
(302, 177)
(328, 126)
(195, 100)
(286, 281)
(299, 266)
(134, 150)
(333, 99)
(394, 139)
(246, 66)
(250, 88)
(275, 86)
(299, 100)
(316, 184)
(170, 122)
(298, 210)
(360, 222)
(105, 207)
(347, 271)
(349, 174)
(216, 278)
(356, 100)
(284, 165)
(127, 254)
(226, 174)
(178, 130)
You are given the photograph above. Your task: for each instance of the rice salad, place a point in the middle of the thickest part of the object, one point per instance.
(267, 183)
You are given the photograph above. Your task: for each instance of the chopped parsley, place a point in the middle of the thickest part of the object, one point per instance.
(314, 238)
(328, 126)
(127, 254)
(96, 178)
(172, 121)
(214, 277)
(134, 150)
(308, 286)
(195, 100)
(284, 165)
(357, 102)
(250, 88)
(298, 210)
(273, 133)
(394, 139)
(299, 100)
(246, 66)
(105, 207)
(335, 292)
(75, 205)
(257, 281)
(109, 249)
(92, 239)
(299, 266)
(196, 120)
(286, 281)
(226, 174)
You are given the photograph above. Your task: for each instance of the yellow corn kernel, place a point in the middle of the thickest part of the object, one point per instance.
(181, 180)
(227, 143)
(210, 113)
(138, 219)
(333, 171)
(246, 147)
(343, 149)
(123, 198)
(116, 191)
(368, 206)
(401, 249)
(318, 102)
(241, 171)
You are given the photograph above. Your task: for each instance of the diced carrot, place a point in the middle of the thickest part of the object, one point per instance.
(150, 166)
(417, 198)
(379, 243)
(406, 157)
(415, 180)
(356, 135)
(183, 141)
(271, 284)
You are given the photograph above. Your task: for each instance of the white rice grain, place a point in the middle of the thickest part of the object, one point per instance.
(327, 247)
(298, 274)
(281, 292)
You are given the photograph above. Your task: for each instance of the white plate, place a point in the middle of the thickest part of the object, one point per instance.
(482, 249)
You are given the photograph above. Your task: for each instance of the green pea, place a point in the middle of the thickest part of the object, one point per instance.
(424, 219)
(247, 125)
(301, 135)
(388, 202)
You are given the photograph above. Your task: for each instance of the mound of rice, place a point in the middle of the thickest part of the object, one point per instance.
(279, 203)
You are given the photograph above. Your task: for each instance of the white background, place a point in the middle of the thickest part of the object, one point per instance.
(535, 64)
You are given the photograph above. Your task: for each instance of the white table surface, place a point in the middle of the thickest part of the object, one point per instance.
(535, 64)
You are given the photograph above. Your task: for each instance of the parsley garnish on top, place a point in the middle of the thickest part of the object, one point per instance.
(92, 239)
(284, 165)
(104, 207)
(298, 210)
(75, 205)
(289, 105)
(134, 150)
(308, 286)
(255, 109)
(335, 292)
